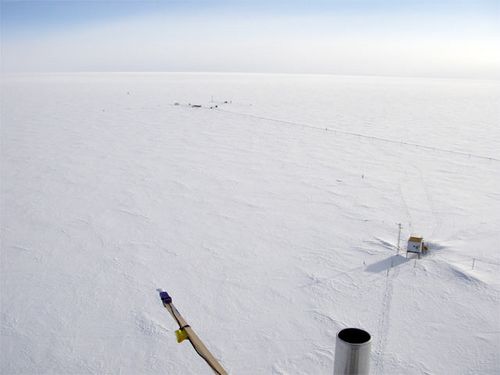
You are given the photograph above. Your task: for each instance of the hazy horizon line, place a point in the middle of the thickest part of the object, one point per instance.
(195, 72)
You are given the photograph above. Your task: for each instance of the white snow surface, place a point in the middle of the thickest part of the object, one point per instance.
(271, 221)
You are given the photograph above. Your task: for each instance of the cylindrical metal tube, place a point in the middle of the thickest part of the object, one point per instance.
(352, 352)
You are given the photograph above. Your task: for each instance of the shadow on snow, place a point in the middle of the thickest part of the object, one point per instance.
(384, 264)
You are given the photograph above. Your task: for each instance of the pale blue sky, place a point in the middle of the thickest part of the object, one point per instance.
(415, 38)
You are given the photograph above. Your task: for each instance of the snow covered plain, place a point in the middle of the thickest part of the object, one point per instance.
(269, 220)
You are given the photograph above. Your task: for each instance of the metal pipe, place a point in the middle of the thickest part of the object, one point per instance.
(352, 352)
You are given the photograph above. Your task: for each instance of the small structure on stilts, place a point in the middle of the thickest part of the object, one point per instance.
(416, 245)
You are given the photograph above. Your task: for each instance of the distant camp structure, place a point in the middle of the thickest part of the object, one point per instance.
(416, 245)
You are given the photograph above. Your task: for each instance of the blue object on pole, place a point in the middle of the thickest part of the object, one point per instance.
(165, 298)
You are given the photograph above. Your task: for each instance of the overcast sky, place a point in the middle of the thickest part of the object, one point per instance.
(440, 38)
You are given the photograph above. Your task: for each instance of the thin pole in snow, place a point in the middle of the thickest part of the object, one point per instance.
(473, 262)
(399, 236)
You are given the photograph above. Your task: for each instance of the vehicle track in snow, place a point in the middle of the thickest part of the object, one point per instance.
(415, 193)
(419, 208)
(407, 210)
(384, 318)
(431, 204)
